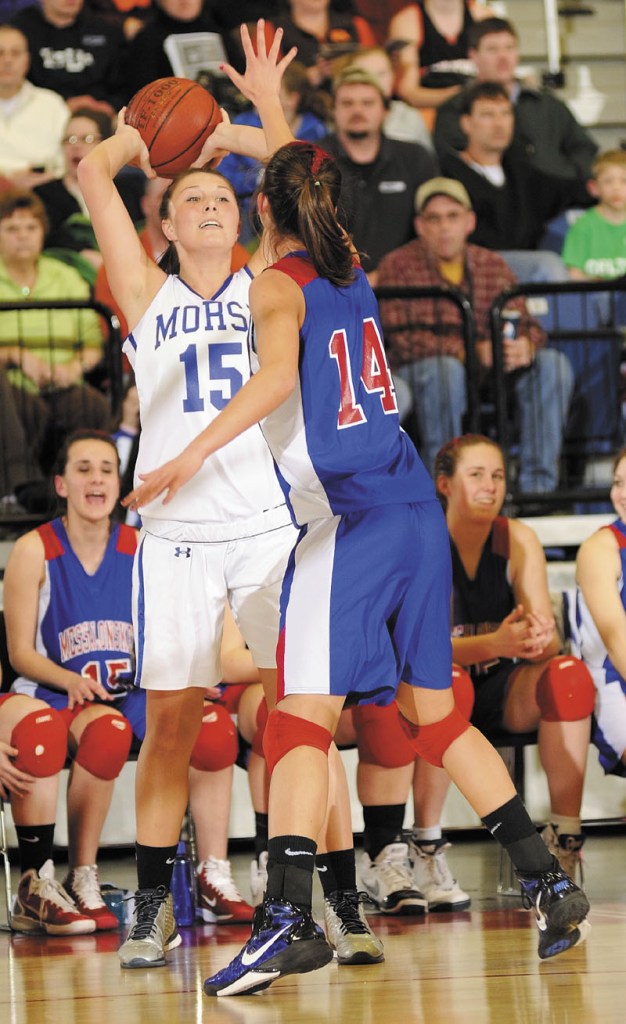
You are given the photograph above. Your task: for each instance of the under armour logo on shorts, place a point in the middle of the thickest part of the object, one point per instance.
(183, 552)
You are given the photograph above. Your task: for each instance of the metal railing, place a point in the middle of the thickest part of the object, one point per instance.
(462, 303)
(587, 322)
(106, 377)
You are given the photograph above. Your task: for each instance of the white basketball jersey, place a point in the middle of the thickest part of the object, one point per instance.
(190, 356)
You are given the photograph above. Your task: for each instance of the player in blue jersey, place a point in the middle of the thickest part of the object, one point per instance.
(366, 598)
(68, 614)
(598, 625)
(69, 623)
(229, 535)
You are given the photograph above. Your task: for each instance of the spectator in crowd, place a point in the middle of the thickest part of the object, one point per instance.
(45, 353)
(147, 59)
(597, 622)
(501, 184)
(434, 61)
(595, 245)
(32, 120)
(74, 52)
(322, 35)
(305, 113)
(380, 175)
(131, 15)
(425, 342)
(546, 133)
(70, 236)
(402, 122)
(18, 465)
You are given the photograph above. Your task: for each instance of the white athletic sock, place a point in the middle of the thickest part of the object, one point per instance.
(426, 835)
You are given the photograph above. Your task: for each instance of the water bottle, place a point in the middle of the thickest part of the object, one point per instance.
(510, 324)
(183, 887)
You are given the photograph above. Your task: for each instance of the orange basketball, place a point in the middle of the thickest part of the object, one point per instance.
(174, 117)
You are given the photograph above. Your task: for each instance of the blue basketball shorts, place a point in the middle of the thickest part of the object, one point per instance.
(366, 603)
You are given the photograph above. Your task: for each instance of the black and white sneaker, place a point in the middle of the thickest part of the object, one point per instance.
(560, 908)
(388, 881)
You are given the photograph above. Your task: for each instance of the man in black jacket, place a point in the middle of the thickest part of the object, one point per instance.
(512, 200)
(380, 175)
(546, 133)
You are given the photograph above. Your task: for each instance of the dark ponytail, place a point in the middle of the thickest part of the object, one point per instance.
(302, 185)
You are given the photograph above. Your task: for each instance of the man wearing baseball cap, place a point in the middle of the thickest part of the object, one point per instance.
(425, 344)
(380, 175)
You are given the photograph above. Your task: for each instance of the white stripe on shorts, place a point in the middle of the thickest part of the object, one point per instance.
(307, 632)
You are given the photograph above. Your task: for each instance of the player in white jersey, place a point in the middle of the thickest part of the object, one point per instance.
(228, 536)
(598, 625)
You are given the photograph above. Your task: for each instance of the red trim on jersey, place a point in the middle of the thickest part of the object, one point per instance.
(617, 533)
(500, 543)
(52, 546)
(299, 269)
(280, 665)
(127, 540)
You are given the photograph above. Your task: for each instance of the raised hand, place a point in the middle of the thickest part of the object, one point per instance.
(264, 70)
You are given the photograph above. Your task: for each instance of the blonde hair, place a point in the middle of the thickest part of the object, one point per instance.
(609, 158)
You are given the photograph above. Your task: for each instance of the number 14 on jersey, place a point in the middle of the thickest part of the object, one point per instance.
(374, 374)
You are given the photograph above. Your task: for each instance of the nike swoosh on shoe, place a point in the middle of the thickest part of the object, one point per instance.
(252, 958)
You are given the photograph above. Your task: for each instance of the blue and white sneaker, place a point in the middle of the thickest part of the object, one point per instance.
(560, 908)
(285, 940)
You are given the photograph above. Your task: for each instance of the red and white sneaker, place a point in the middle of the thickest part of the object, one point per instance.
(83, 885)
(218, 896)
(42, 905)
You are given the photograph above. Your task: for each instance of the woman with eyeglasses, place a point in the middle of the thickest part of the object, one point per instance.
(70, 235)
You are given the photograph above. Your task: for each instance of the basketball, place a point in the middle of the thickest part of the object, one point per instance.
(174, 117)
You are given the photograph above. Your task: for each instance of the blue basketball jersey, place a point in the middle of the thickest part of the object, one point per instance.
(85, 622)
(337, 440)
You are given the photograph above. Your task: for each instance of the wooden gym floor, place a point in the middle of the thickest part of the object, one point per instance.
(479, 965)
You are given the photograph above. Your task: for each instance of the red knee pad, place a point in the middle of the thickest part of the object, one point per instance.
(261, 724)
(565, 690)
(380, 736)
(432, 741)
(104, 746)
(463, 690)
(285, 732)
(41, 743)
(216, 745)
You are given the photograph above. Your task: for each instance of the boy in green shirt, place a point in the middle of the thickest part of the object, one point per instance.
(595, 245)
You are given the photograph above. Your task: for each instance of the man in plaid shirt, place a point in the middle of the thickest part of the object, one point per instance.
(425, 345)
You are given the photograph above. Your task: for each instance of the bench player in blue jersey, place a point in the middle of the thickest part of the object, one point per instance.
(366, 598)
(68, 615)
